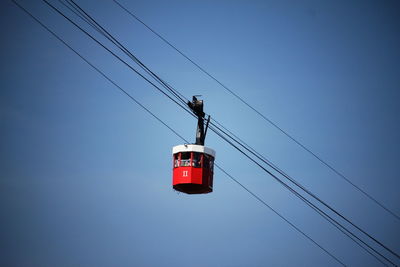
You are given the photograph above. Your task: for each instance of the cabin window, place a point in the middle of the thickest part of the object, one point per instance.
(185, 159)
(176, 160)
(193, 159)
(196, 159)
(212, 164)
(208, 162)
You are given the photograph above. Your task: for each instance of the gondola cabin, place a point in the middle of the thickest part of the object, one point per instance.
(193, 169)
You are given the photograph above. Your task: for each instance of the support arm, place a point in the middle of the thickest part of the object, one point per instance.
(197, 107)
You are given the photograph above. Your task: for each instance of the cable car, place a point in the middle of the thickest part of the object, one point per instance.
(193, 164)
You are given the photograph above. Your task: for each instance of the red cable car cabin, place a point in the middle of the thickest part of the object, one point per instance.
(193, 169)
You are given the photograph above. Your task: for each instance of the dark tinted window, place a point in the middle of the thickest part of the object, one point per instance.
(185, 159)
(176, 160)
(208, 162)
(196, 161)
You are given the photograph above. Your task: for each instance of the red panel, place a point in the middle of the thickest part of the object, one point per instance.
(187, 175)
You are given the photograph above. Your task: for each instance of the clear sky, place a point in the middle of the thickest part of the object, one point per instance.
(85, 174)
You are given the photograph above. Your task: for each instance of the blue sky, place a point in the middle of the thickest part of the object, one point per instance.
(85, 173)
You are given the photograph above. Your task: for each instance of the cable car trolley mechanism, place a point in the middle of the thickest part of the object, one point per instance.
(193, 164)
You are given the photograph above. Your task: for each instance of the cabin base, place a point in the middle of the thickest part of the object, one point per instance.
(192, 188)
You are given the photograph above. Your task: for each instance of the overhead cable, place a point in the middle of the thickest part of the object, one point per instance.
(105, 33)
(171, 129)
(295, 140)
(263, 159)
(124, 49)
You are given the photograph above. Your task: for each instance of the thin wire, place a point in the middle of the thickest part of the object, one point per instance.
(73, 10)
(260, 114)
(328, 218)
(306, 190)
(133, 57)
(116, 56)
(92, 22)
(170, 128)
(77, 10)
(280, 215)
(310, 204)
